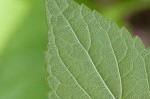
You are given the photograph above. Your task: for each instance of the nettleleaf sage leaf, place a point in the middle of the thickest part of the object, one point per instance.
(89, 57)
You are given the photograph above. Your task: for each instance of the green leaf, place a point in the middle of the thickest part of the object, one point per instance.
(89, 57)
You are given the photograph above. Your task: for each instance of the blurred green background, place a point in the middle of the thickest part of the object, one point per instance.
(23, 40)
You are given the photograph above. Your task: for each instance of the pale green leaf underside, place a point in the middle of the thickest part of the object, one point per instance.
(89, 57)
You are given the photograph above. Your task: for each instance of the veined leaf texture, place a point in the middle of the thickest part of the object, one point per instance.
(89, 57)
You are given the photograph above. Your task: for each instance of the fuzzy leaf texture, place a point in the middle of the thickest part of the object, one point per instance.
(90, 57)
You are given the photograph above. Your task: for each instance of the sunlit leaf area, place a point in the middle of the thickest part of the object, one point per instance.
(23, 40)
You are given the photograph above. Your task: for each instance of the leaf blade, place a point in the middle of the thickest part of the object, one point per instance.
(94, 52)
(99, 81)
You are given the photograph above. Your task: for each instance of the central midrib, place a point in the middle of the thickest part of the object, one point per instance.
(84, 50)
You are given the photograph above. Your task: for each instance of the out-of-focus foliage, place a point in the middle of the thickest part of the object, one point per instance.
(12, 12)
(22, 71)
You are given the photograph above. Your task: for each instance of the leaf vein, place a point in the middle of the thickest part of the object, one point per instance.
(111, 47)
(70, 71)
(85, 51)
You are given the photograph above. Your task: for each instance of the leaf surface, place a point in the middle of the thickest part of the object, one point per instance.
(89, 57)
